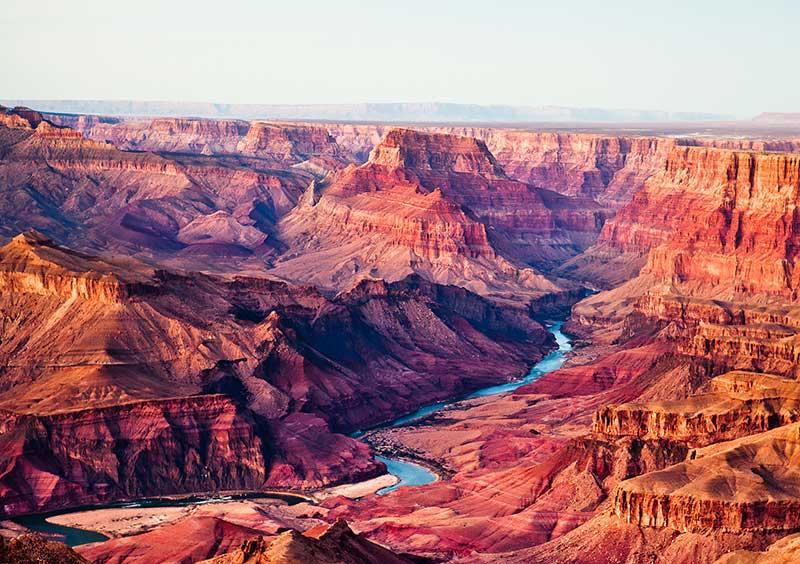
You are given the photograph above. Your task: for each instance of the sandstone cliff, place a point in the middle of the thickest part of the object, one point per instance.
(93, 195)
(438, 205)
(736, 404)
(111, 371)
(745, 484)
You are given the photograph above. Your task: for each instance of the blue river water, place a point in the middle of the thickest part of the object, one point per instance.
(410, 474)
(73, 536)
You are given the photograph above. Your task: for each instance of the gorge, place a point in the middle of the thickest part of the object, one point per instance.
(582, 343)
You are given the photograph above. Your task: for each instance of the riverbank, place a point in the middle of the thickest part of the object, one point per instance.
(406, 466)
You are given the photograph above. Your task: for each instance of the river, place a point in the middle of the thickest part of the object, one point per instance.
(74, 536)
(408, 473)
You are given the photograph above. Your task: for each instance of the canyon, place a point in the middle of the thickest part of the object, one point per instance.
(215, 305)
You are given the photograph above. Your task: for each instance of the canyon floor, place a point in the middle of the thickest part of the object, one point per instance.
(199, 306)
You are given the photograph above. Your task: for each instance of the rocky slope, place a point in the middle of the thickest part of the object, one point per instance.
(280, 145)
(90, 456)
(784, 551)
(669, 437)
(736, 404)
(34, 549)
(334, 545)
(717, 290)
(730, 478)
(104, 361)
(91, 194)
(437, 205)
(746, 484)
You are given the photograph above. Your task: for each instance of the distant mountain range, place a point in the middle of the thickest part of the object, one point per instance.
(380, 112)
(775, 118)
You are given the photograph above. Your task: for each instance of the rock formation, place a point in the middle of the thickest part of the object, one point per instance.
(437, 205)
(736, 404)
(93, 195)
(241, 293)
(34, 549)
(335, 545)
(123, 365)
(746, 484)
(280, 145)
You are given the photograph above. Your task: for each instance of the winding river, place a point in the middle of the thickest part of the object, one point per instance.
(408, 473)
(73, 536)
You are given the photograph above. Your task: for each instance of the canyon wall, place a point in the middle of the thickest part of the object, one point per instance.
(137, 449)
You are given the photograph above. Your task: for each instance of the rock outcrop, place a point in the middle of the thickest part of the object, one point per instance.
(749, 484)
(784, 551)
(113, 370)
(35, 549)
(438, 205)
(734, 205)
(92, 456)
(337, 544)
(736, 404)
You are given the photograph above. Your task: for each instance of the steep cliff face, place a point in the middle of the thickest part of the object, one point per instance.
(438, 205)
(715, 226)
(731, 203)
(279, 144)
(515, 503)
(97, 354)
(746, 484)
(91, 194)
(607, 168)
(63, 322)
(737, 404)
(131, 450)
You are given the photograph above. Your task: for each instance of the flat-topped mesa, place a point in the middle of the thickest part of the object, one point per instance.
(746, 485)
(535, 226)
(736, 404)
(282, 144)
(424, 152)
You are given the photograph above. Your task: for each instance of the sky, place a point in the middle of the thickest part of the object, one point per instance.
(733, 57)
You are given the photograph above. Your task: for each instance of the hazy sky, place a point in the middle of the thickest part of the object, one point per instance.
(701, 55)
